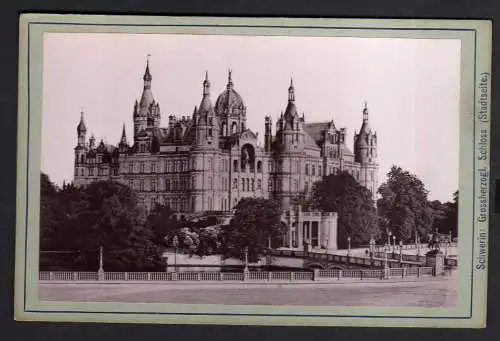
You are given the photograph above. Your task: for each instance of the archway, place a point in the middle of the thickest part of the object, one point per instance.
(248, 157)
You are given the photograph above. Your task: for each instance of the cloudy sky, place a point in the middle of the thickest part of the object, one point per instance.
(411, 87)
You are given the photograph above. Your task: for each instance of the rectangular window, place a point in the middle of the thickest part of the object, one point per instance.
(141, 185)
(153, 185)
(313, 170)
(142, 165)
(153, 167)
(131, 167)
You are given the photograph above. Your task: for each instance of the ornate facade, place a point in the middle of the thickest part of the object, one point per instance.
(211, 160)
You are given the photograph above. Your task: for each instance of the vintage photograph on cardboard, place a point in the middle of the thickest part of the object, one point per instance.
(244, 171)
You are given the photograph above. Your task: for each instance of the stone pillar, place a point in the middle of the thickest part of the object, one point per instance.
(435, 259)
(332, 231)
(300, 232)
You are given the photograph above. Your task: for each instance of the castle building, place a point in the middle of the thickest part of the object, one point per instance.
(211, 160)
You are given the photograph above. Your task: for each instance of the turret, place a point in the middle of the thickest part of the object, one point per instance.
(80, 149)
(365, 142)
(290, 125)
(92, 142)
(123, 145)
(81, 130)
(268, 134)
(205, 119)
(146, 111)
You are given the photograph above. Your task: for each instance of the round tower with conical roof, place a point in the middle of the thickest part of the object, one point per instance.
(204, 153)
(365, 153)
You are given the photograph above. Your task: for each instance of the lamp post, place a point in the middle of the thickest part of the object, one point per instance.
(175, 243)
(386, 262)
(418, 246)
(400, 251)
(246, 259)
(100, 272)
(348, 246)
(389, 238)
(326, 246)
(393, 244)
(372, 249)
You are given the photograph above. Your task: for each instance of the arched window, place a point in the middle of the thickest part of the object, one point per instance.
(234, 128)
(235, 165)
(259, 166)
(243, 184)
(259, 184)
(167, 185)
(248, 184)
(223, 129)
(307, 169)
(313, 170)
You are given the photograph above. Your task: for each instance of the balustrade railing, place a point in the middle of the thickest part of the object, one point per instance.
(315, 275)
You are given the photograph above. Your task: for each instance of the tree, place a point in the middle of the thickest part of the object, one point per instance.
(403, 207)
(162, 223)
(103, 214)
(357, 215)
(255, 222)
(449, 220)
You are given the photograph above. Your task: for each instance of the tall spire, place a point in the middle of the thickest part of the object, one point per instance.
(123, 140)
(206, 85)
(229, 79)
(365, 113)
(291, 91)
(81, 128)
(147, 75)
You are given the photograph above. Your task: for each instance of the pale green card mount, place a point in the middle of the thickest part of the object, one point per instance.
(476, 50)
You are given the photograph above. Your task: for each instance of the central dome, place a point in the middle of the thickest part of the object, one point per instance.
(229, 99)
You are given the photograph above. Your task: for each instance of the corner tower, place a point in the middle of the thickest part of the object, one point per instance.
(146, 111)
(365, 153)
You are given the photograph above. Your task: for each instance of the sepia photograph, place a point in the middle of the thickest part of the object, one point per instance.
(253, 170)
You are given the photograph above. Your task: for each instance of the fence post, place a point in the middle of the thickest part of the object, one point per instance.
(292, 277)
(419, 271)
(361, 275)
(126, 276)
(149, 276)
(75, 276)
(315, 274)
(174, 276)
(221, 276)
(269, 276)
(198, 277)
(403, 273)
(339, 275)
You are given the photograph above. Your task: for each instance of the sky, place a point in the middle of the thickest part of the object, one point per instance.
(411, 86)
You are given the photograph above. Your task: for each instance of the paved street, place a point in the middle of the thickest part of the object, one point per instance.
(429, 293)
